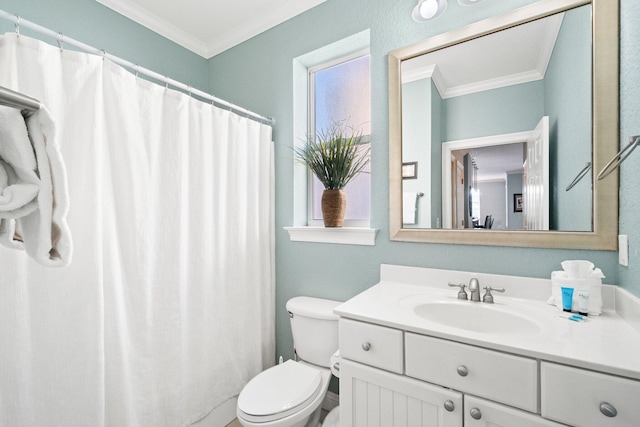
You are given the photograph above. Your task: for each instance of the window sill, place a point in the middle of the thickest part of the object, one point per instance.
(344, 235)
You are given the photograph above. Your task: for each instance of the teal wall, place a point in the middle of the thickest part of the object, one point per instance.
(494, 112)
(416, 131)
(629, 277)
(437, 135)
(257, 74)
(567, 98)
(98, 26)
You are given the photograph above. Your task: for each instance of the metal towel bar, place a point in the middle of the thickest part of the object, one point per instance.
(581, 175)
(620, 157)
(14, 99)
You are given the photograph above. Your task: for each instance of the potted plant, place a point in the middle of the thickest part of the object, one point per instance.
(335, 157)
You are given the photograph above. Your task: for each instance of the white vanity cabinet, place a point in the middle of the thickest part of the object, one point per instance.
(413, 354)
(392, 378)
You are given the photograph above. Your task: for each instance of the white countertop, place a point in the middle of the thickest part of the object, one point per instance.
(606, 343)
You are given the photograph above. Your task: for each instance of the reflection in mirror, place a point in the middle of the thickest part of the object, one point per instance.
(490, 168)
(505, 83)
(500, 117)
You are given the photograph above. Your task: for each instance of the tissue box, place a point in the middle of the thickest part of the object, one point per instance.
(593, 285)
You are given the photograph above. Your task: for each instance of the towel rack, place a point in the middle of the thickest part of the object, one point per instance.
(14, 99)
(581, 175)
(619, 158)
(420, 194)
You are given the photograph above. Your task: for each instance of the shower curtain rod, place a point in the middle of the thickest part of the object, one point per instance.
(62, 39)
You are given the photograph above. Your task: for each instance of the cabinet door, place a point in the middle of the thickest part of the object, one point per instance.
(482, 413)
(370, 397)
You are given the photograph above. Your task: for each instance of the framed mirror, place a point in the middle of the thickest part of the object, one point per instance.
(501, 117)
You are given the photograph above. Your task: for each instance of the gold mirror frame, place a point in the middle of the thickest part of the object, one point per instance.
(605, 33)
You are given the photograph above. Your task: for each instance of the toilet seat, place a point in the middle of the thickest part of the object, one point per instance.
(279, 392)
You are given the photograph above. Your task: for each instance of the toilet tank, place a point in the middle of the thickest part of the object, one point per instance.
(314, 328)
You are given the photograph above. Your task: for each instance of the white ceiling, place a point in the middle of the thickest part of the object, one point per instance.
(518, 55)
(495, 161)
(209, 27)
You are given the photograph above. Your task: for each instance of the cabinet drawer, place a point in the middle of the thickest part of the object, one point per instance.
(575, 396)
(371, 344)
(483, 413)
(497, 376)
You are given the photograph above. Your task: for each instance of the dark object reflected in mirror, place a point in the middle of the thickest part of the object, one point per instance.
(517, 202)
(410, 170)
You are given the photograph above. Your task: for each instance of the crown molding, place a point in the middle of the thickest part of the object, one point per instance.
(156, 24)
(259, 24)
(209, 48)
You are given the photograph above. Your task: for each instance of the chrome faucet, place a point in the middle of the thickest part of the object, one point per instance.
(474, 288)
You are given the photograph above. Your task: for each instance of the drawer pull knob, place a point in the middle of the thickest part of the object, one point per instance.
(449, 406)
(463, 371)
(366, 346)
(475, 413)
(608, 410)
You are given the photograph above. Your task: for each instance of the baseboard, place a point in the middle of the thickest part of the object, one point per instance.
(331, 400)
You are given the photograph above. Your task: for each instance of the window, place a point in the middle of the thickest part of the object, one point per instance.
(323, 71)
(339, 91)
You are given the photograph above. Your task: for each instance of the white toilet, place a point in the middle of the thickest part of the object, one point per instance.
(291, 394)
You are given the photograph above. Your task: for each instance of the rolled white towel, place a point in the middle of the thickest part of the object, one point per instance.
(409, 199)
(19, 182)
(47, 237)
(43, 233)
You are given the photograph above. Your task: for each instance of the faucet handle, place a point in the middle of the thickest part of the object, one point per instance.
(461, 293)
(487, 297)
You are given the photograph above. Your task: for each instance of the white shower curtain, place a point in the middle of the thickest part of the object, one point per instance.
(167, 308)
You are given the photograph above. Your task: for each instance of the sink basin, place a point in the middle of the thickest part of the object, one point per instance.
(476, 317)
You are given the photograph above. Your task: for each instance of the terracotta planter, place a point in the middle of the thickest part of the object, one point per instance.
(334, 205)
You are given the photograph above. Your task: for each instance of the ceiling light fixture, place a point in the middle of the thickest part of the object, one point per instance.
(426, 10)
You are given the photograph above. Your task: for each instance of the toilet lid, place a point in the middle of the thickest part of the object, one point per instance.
(279, 389)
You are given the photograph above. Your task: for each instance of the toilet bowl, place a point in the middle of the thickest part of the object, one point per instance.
(290, 394)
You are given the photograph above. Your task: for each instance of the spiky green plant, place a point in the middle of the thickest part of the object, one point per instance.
(334, 155)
